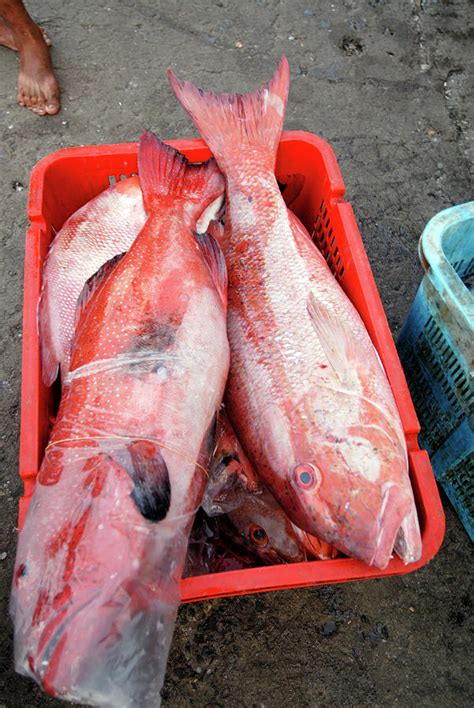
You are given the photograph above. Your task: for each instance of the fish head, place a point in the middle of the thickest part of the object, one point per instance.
(350, 490)
(231, 475)
(85, 570)
(264, 528)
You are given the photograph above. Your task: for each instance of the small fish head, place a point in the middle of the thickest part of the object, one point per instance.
(266, 530)
(231, 475)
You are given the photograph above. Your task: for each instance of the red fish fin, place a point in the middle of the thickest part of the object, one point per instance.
(226, 488)
(49, 359)
(314, 546)
(93, 284)
(230, 121)
(214, 258)
(149, 473)
(165, 172)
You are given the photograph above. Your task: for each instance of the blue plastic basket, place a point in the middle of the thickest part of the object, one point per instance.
(436, 347)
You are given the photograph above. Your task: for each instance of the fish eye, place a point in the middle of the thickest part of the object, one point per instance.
(306, 476)
(258, 535)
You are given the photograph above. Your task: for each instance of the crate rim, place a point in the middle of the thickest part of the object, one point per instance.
(39, 170)
(278, 577)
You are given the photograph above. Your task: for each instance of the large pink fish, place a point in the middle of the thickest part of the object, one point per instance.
(307, 393)
(97, 232)
(100, 557)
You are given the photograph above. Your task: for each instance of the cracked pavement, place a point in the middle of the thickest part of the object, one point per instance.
(389, 84)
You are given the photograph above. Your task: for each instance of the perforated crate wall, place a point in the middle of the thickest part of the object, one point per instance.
(325, 239)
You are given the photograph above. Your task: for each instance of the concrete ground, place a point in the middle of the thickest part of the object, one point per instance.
(387, 83)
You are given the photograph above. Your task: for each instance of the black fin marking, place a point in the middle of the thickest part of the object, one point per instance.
(152, 493)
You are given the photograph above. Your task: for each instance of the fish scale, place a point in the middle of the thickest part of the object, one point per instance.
(296, 346)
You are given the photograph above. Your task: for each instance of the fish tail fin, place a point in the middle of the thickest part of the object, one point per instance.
(230, 122)
(165, 172)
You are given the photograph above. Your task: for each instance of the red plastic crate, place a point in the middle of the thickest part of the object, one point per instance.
(67, 179)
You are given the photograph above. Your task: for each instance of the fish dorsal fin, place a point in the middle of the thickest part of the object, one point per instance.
(214, 258)
(150, 476)
(93, 284)
(334, 338)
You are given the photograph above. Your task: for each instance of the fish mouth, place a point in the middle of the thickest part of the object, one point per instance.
(395, 506)
(274, 557)
(281, 557)
(46, 667)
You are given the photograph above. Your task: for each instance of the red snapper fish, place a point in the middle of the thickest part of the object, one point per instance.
(257, 521)
(85, 251)
(307, 393)
(101, 554)
(97, 232)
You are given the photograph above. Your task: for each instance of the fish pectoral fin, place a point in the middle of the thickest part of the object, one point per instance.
(334, 338)
(150, 476)
(212, 253)
(93, 284)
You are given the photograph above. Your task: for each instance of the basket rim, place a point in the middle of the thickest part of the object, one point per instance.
(437, 266)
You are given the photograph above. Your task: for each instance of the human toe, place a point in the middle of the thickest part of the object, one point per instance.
(53, 105)
(46, 38)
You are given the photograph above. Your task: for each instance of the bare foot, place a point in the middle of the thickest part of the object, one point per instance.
(7, 36)
(38, 89)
